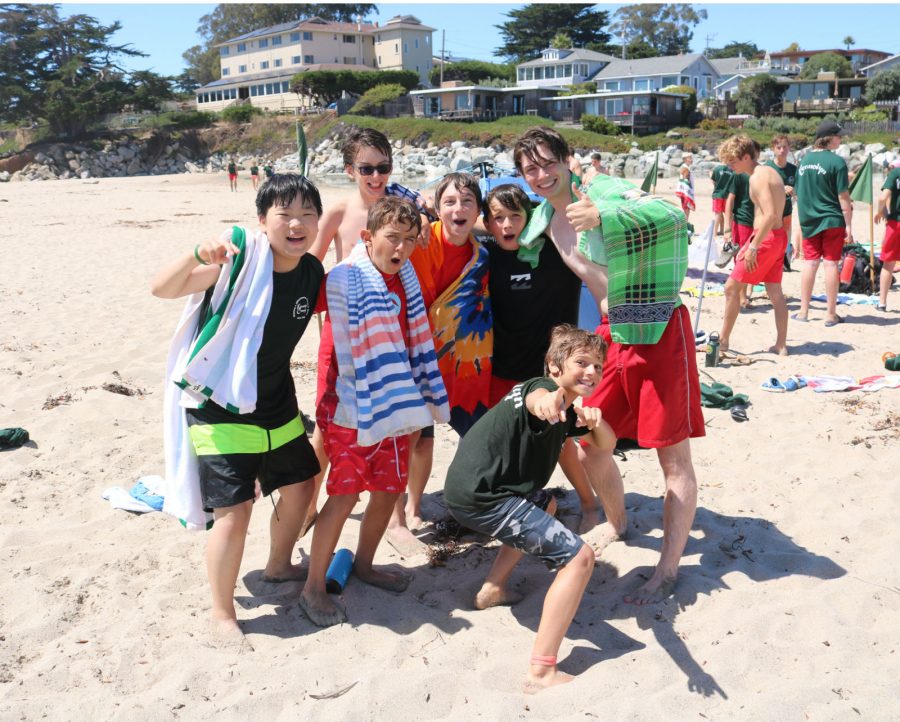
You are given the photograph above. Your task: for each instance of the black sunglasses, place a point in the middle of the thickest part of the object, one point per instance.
(382, 168)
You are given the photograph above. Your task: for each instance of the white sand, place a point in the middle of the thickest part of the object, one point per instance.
(103, 614)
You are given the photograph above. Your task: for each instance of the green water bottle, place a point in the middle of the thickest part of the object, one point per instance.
(712, 350)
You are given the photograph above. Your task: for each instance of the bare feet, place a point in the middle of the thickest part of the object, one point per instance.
(491, 596)
(779, 350)
(590, 517)
(543, 677)
(390, 581)
(321, 610)
(291, 573)
(227, 635)
(601, 537)
(414, 522)
(404, 541)
(655, 590)
(723, 346)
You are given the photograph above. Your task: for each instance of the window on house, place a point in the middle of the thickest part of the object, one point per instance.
(611, 85)
(277, 62)
(226, 71)
(643, 84)
(264, 43)
(276, 40)
(669, 80)
(567, 71)
(521, 74)
(295, 37)
(223, 51)
(349, 38)
(295, 60)
(427, 40)
(307, 35)
(264, 65)
(242, 47)
(696, 85)
(349, 61)
(270, 89)
(685, 80)
(417, 44)
(252, 91)
(396, 47)
(242, 68)
(614, 106)
(405, 47)
(529, 73)
(285, 86)
(379, 60)
(538, 73)
(308, 59)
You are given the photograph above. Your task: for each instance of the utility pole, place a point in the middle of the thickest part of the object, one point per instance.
(708, 38)
(623, 42)
(443, 37)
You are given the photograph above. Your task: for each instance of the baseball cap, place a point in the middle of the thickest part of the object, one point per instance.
(828, 127)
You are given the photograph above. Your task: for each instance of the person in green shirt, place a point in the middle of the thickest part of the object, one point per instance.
(503, 462)
(889, 211)
(721, 176)
(232, 175)
(254, 175)
(825, 212)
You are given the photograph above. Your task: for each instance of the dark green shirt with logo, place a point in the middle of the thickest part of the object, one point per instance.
(789, 178)
(721, 176)
(508, 452)
(892, 183)
(743, 211)
(821, 178)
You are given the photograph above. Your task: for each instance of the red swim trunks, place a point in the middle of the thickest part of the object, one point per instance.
(829, 244)
(890, 249)
(651, 392)
(686, 203)
(232, 176)
(355, 468)
(718, 205)
(740, 234)
(769, 260)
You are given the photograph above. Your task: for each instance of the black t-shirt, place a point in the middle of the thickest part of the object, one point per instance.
(293, 299)
(526, 304)
(508, 452)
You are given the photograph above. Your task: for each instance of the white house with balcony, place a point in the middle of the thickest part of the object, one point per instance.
(654, 74)
(733, 70)
(557, 68)
(257, 67)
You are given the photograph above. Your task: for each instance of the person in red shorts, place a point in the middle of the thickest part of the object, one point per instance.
(382, 385)
(889, 211)
(761, 258)
(825, 212)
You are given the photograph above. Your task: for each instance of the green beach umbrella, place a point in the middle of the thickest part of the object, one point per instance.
(650, 179)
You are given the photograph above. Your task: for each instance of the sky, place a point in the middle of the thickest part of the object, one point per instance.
(165, 30)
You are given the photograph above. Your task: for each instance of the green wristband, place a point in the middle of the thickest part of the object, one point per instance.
(197, 256)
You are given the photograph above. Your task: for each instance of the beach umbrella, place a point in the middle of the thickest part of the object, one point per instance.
(301, 149)
(649, 184)
(861, 190)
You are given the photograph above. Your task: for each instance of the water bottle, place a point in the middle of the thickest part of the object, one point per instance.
(712, 350)
(338, 571)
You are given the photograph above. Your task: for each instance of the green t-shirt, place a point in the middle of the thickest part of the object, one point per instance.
(267, 169)
(508, 452)
(721, 176)
(254, 170)
(789, 178)
(739, 184)
(892, 183)
(232, 168)
(821, 178)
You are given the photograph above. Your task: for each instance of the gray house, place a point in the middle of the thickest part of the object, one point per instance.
(653, 74)
(558, 68)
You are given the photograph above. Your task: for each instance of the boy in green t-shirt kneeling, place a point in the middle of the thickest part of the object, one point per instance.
(508, 456)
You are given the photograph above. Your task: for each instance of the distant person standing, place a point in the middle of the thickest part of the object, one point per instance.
(721, 176)
(825, 212)
(232, 175)
(788, 172)
(685, 190)
(254, 175)
(889, 211)
(268, 169)
(594, 169)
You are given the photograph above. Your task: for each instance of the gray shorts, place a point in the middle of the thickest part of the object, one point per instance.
(522, 525)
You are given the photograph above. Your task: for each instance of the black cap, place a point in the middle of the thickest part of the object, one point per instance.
(828, 127)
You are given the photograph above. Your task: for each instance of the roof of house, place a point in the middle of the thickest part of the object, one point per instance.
(648, 66)
(839, 51)
(886, 60)
(570, 55)
(317, 23)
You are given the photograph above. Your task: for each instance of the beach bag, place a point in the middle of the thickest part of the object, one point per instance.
(859, 279)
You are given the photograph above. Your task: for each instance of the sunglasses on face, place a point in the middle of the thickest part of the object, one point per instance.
(382, 168)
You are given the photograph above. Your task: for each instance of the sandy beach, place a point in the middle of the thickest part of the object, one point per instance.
(787, 605)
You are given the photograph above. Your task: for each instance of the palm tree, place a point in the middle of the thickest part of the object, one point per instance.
(848, 41)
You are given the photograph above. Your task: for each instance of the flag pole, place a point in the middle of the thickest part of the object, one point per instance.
(656, 176)
(872, 247)
(708, 238)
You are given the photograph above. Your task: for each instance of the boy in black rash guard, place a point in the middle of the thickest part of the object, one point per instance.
(507, 456)
(233, 448)
(527, 303)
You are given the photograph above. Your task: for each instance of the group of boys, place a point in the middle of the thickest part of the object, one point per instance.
(427, 325)
(232, 169)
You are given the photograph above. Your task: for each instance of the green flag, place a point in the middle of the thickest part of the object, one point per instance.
(301, 148)
(861, 187)
(650, 179)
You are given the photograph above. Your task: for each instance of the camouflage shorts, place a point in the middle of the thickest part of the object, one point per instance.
(522, 525)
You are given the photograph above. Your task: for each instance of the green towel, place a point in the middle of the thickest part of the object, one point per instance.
(892, 363)
(720, 396)
(13, 438)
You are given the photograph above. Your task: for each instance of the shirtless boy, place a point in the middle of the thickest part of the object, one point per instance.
(761, 258)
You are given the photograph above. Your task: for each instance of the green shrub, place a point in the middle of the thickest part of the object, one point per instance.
(191, 119)
(714, 124)
(869, 114)
(598, 124)
(377, 96)
(240, 113)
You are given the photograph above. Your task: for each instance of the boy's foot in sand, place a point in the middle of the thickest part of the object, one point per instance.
(778, 350)
(651, 592)
(491, 596)
(551, 677)
(404, 541)
(390, 581)
(322, 611)
(292, 573)
(590, 518)
(602, 537)
(414, 522)
(226, 634)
